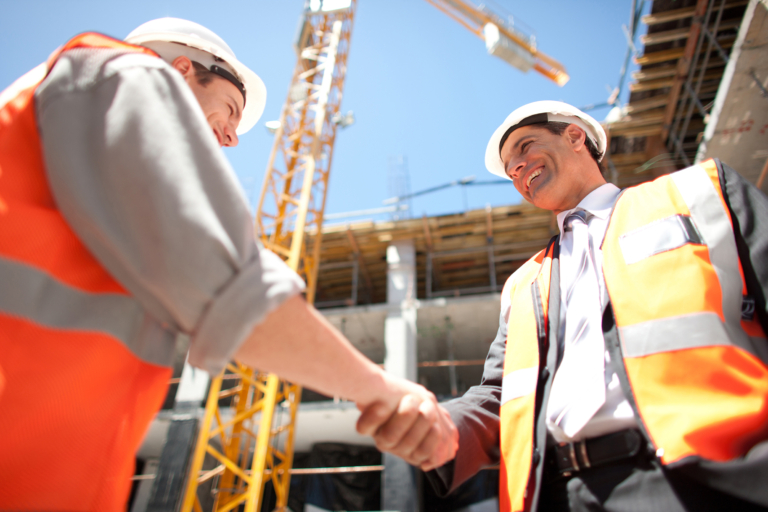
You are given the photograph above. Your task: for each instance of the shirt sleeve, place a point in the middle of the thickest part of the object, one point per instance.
(137, 174)
(476, 416)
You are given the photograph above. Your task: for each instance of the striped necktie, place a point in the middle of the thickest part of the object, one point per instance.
(578, 389)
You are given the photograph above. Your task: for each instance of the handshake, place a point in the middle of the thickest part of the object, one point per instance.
(297, 343)
(410, 424)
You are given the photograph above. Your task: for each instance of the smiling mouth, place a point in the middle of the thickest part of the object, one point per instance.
(535, 174)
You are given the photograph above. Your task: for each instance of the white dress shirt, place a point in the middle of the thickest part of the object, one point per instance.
(616, 413)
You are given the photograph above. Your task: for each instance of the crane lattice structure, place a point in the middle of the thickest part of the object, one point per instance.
(503, 38)
(249, 428)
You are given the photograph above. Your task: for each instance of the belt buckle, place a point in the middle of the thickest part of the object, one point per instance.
(581, 446)
(574, 459)
(583, 451)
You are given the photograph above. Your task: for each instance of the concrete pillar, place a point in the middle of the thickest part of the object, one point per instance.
(171, 473)
(399, 482)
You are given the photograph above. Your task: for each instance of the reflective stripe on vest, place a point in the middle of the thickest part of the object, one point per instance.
(519, 383)
(83, 369)
(699, 378)
(529, 293)
(45, 301)
(660, 236)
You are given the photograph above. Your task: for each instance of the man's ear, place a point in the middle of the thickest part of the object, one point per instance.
(184, 66)
(576, 137)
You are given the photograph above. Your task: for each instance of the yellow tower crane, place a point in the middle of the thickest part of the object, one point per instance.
(248, 428)
(503, 38)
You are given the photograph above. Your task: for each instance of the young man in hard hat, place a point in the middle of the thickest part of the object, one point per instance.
(121, 226)
(630, 369)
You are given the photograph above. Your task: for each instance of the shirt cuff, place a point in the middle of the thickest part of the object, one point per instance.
(259, 288)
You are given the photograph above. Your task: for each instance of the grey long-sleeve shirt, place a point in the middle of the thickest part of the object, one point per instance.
(138, 175)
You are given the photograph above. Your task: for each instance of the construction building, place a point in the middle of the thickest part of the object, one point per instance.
(421, 295)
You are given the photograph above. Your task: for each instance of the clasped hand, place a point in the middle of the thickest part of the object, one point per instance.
(414, 427)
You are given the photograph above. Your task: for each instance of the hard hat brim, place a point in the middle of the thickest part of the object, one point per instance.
(256, 91)
(557, 111)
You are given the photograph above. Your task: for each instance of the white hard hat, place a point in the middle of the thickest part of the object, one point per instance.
(174, 37)
(536, 113)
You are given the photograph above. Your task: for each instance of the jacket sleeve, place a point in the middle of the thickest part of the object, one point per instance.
(137, 174)
(749, 212)
(476, 415)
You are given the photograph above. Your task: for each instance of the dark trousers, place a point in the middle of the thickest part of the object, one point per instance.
(633, 486)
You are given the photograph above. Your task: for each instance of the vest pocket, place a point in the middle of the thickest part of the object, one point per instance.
(659, 236)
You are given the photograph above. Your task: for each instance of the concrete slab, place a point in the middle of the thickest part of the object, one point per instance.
(473, 322)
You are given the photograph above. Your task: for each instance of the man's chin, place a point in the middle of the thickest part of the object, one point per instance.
(534, 197)
(537, 194)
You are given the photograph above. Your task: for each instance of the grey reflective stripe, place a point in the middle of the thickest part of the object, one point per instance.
(38, 297)
(710, 217)
(683, 332)
(659, 236)
(519, 383)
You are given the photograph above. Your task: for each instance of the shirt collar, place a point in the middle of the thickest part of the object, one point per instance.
(599, 203)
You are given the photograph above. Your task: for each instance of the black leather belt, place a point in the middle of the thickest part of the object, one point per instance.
(571, 457)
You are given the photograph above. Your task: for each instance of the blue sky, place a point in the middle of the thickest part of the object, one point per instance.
(420, 84)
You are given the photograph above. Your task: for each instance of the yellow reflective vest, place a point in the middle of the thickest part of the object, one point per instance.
(695, 365)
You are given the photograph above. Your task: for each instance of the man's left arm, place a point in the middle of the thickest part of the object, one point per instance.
(749, 211)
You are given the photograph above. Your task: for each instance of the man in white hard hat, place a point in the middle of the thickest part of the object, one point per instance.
(630, 369)
(122, 225)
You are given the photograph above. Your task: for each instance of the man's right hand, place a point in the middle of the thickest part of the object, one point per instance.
(296, 342)
(418, 430)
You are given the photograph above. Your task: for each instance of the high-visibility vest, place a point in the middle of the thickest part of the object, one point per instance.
(83, 368)
(697, 365)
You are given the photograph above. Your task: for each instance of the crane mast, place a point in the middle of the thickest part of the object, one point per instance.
(248, 428)
(503, 39)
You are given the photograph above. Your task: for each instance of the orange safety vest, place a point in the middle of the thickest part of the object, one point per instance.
(697, 367)
(78, 382)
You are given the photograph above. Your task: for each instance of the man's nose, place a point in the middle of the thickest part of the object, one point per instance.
(514, 169)
(230, 136)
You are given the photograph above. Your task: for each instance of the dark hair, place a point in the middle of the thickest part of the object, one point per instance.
(203, 74)
(558, 128)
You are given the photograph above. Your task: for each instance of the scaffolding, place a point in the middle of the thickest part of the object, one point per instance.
(691, 98)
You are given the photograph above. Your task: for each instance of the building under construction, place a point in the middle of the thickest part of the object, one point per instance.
(421, 295)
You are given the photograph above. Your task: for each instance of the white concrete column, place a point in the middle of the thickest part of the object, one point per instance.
(193, 387)
(171, 469)
(399, 485)
(400, 325)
